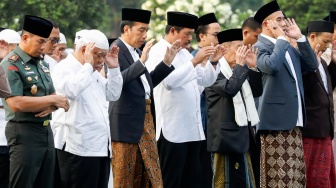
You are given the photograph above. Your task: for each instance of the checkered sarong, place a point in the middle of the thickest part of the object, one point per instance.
(282, 159)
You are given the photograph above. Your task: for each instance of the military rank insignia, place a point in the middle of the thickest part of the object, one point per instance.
(12, 67)
(13, 57)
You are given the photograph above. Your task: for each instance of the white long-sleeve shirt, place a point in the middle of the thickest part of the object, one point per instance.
(177, 97)
(85, 127)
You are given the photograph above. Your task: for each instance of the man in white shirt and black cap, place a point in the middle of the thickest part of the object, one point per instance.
(179, 129)
(135, 161)
(82, 135)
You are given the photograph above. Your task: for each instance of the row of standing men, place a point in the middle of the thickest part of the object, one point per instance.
(276, 69)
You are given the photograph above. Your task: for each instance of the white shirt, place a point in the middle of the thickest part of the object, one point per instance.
(323, 76)
(51, 62)
(143, 78)
(177, 97)
(85, 127)
(3, 122)
(299, 122)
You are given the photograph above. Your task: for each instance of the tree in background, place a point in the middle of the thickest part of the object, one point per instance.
(226, 17)
(304, 11)
(70, 15)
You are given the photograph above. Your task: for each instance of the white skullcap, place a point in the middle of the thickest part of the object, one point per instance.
(10, 36)
(98, 38)
(62, 39)
(80, 34)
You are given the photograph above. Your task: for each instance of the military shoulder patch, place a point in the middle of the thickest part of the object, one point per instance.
(13, 58)
(12, 67)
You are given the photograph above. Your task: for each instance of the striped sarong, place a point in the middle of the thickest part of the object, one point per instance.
(233, 170)
(281, 159)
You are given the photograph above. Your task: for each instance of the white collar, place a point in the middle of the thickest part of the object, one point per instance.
(269, 38)
(129, 47)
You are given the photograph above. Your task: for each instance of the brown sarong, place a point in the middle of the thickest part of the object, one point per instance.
(137, 165)
(320, 164)
(281, 159)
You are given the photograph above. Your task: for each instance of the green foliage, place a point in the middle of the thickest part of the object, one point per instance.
(306, 10)
(70, 15)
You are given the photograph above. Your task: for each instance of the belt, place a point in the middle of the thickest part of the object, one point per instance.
(44, 123)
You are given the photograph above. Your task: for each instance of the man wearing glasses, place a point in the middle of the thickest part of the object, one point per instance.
(50, 46)
(206, 32)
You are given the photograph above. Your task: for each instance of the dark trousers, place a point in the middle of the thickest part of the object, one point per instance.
(83, 172)
(254, 150)
(180, 163)
(4, 167)
(32, 155)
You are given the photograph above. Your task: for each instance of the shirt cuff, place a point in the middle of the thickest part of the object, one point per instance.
(282, 37)
(301, 39)
(114, 71)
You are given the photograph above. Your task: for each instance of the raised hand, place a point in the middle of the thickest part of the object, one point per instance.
(318, 53)
(333, 51)
(241, 55)
(171, 52)
(202, 54)
(111, 59)
(220, 51)
(275, 28)
(88, 57)
(292, 30)
(144, 55)
(251, 57)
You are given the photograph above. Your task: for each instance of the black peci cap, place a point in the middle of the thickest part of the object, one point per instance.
(181, 19)
(206, 19)
(266, 10)
(332, 16)
(135, 15)
(230, 35)
(320, 26)
(37, 26)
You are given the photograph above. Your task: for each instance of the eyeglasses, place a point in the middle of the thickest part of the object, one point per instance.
(53, 40)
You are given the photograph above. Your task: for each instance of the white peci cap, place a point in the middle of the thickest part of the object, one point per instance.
(10, 36)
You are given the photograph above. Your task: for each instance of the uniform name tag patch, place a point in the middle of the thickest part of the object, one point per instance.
(30, 72)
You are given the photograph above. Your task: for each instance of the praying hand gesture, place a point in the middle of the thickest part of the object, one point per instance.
(111, 59)
(292, 30)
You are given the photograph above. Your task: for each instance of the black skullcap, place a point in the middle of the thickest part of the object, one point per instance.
(332, 16)
(111, 40)
(37, 26)
(135, 15)
(181, 19)
(266, 10)
(230, 35)
(320, 26)
(207, 19)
